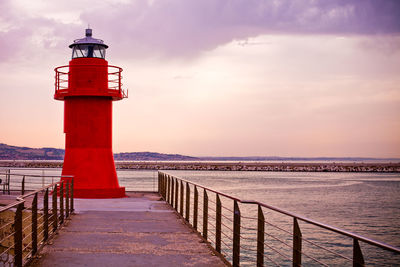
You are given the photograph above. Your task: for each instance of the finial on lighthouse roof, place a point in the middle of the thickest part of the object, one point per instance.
(88, 32)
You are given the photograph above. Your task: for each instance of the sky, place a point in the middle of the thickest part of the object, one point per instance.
(309, 78)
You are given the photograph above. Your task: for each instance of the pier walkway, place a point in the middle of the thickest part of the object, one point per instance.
(139, 230)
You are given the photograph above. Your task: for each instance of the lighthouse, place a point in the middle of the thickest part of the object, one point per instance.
(88, 86)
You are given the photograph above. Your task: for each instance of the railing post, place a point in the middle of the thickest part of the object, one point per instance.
(296, 243)
(119, 80)
(34, 225)
(18, 236)
(46, 215)
(160, 175)
(187, 211)
(67, 200)
(260, 237)
(158, 182)
(165, 186)
(171, 199)
(205, 214)
(176, 194)
(162, 184)
(358, 259)
(168, 188)
(218, 217)
(23, 186)
(181, 200)
(236, 235)
(72, 196)
(54, 212)
(62, 202)
(195, 207)
(6, 186)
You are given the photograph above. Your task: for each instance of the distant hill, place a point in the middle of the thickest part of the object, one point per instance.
(151, 156)
(8, 152)
(26, 153)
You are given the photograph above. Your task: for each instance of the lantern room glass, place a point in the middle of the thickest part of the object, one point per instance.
(88, 50)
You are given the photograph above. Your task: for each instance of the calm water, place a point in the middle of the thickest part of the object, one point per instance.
(364, 203)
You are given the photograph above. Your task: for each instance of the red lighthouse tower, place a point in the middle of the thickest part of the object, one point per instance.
(88, 85)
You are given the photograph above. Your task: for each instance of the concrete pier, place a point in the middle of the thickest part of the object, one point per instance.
(139, 230)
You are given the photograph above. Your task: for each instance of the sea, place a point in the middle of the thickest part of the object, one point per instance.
(367, 204)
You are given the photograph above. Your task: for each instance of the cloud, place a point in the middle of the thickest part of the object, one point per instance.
(183, 28)
(180, 28)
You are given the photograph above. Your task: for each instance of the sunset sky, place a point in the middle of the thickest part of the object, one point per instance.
(215, 77)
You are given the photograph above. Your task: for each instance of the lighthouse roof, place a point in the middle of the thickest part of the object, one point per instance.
(88, 39)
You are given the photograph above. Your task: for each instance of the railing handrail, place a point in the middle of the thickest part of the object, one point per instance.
(36, 175)
(85, 65)
(11, 205)
(21, 198)
(302, 218)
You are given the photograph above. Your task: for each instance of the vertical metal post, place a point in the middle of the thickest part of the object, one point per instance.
(205, 214)
(171, 196)
(67, 200)
(218, 217)
(119, 81)
(18, 236)
(168, 188)
(46, 215)
(195, 207)
(162, 184)
(165, 186)
(23, 186)
(171, 200)
(158, 182)
(296, 243)
(62, 202)
(236, 235)
(358, 259)
(260, 237)
(72, 196)
(187, 211)
(6, 186)
(181, 200)
(160, 175)
(176, 194)
(34, 225)
(54, 212)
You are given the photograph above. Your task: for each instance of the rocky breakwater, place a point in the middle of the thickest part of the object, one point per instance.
(262, 166)
(226, 166)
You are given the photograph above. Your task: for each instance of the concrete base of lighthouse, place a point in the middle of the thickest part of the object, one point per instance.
(94, 173)
(99, 192)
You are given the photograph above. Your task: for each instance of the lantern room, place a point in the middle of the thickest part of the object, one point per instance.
(88, 47)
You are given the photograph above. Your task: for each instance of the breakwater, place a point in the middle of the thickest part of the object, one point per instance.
(226, 166)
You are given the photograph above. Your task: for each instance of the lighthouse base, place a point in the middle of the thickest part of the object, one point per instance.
(99, 192)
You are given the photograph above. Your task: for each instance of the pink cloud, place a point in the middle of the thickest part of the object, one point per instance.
(186, 28)
(182, 28)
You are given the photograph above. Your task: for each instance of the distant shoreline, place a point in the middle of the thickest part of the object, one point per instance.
(226, 166)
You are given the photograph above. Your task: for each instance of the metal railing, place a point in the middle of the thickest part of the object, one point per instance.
(241, 232)
(5, 182)
(114, 78)
(27, 223)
